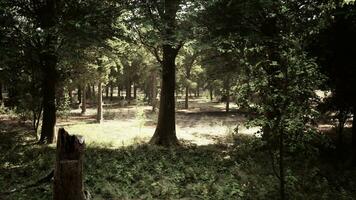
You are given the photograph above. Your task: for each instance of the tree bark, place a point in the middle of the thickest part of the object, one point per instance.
(84, 101)
(227, 93)
(46, 15)
(165, 133)
(186, 106)
(128, 91)
(107, 91)
(80, 95)
(354, 135)
(99, 116)
(1, 97)
(281, 166)
(154, 92)
(198, 91)
(135, 91)
(49, 99)
(68, 172)
(111, 92)
(211, 93)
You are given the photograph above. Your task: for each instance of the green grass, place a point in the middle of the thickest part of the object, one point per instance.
(208, 165)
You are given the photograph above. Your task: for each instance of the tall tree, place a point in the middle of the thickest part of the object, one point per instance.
(160, 36)
(55, 30)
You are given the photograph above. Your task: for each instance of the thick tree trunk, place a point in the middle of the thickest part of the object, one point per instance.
(165, 133)
(68, 172)
(186, 106)
(49, 99)
(99, 116)
(84, 101)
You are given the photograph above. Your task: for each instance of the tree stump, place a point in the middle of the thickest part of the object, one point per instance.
(68, 172)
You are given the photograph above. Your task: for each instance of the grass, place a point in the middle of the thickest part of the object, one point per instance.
(211, 163)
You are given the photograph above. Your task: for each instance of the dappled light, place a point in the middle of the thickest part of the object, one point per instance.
(177, 99)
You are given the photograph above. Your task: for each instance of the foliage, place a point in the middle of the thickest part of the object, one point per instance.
(149, 172)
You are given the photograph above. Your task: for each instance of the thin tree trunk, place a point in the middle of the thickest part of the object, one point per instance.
(198, 91)
(135, 91)
(211, 93)
(107, 91)
(154, 92)
(186, 97)
(68, 172)
(99, 116)
(70, 94)
(84, 101)
(111, 92)
(354, 135)
(79, 97)
(281, 166)
(93, 92)
(227, 91)
(1, 97)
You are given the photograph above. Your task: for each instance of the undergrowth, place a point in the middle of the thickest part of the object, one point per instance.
(141, 171)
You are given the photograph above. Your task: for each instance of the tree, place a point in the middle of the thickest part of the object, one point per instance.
(269, 38)
(188, 68)
(55, 30)
(160, 37)
(334, 47)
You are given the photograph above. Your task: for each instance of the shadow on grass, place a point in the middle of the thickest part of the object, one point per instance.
(142, 171)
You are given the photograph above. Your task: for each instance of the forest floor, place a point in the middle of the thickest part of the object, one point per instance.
(202, 124)
(210, 163)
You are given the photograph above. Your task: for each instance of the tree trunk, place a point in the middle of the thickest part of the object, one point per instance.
(93, 92)
(49, 99)
(281, 166)
(354, 135)
(198, 91)
(68, 172)
(135, 91)
(1, 97)
(88, 91)
(99, 116)
(227, 92)
(128, 91)
(154, 92)
(107, 91)
(211, 93)
(165, 133)
(111, 92)
(119, 91)
(80, 95)
(84, 101)
(186, 97)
